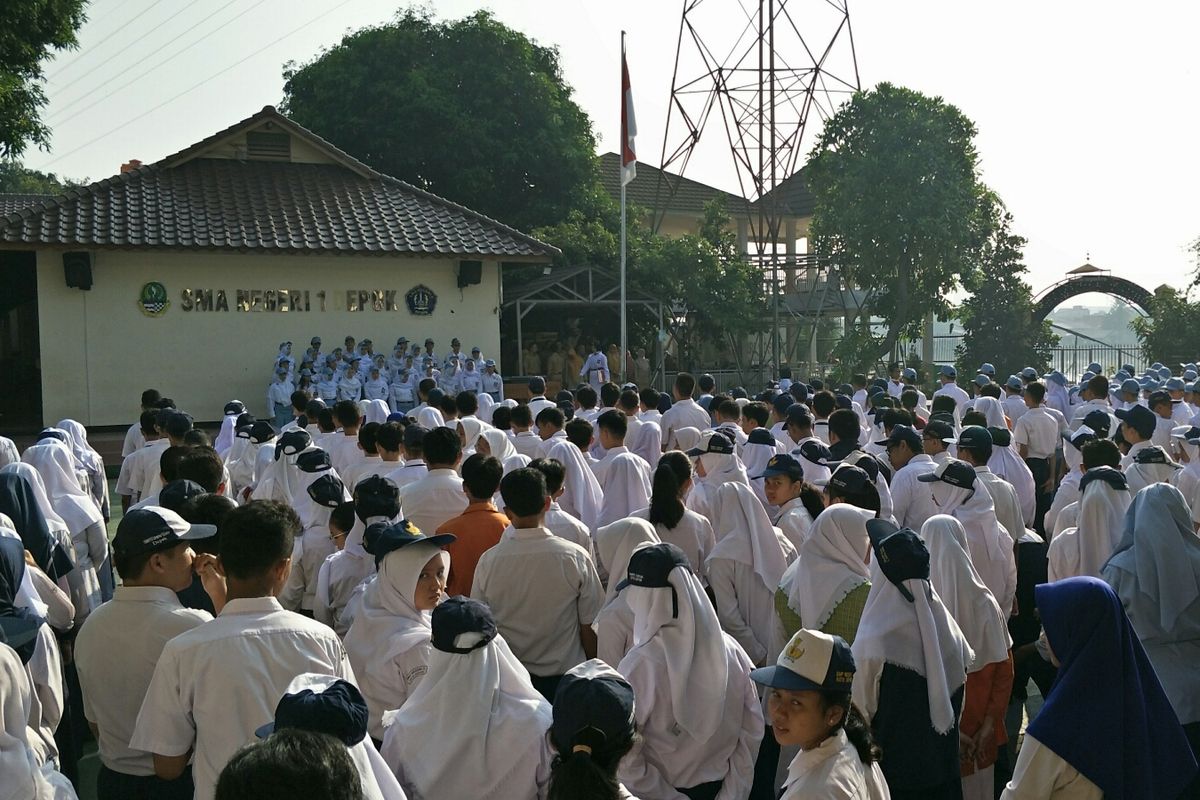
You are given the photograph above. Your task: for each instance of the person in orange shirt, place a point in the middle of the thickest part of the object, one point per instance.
(479, 527)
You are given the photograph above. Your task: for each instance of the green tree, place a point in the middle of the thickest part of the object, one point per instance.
(28, 28)
(997, 320)
(472, 110)
(1169, 334)
(895, 179)
(16, 178)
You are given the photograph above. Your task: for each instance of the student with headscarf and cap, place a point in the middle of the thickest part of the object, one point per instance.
(810, 710)
(1134, 745)
(1150, 466)
(716, 463)
(1084, 548)
(1153, 572)
(90, 461)
(282, 479)
(323, 491)
(1007, 464)
(956, 492)
(493, 744)
(615, 545)
(388, 642)
(331, 707)
(744, 570)
(990, 677)
(699, 715)
(912, 662)
(1187, 444)
(673, 521)
(798, 502)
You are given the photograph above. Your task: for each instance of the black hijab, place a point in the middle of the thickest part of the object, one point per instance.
(18, 502)
(18, 626)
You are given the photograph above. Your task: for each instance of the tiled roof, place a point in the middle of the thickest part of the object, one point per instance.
(15, 202)
(191, 201)
(648, 191)
(794, 198)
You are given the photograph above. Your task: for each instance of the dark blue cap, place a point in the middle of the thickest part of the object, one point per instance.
(900, 553)
(152, 529)
(1099, 421)
(314, 460)
(651, 566)
(716, 441)
(261, 431)
(593, 707)
(1152, 455)
(951, 471)
(376, 496)
(938, 429)
(292, 442)
(905, 434)
(798, 414)
(382, 538)
(328, 491)
(972, 437)
(234, 407)
(783, 465)
(815, 452)
(782, 403)
(458, 615)
(760, 436)
(1140, 418)
(849, 480)
(339, 711)
(1001, 437)
(176, 494)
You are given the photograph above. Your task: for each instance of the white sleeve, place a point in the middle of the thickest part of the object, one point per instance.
(1041, 773)
(164, 723)
(321, 609)
(638, 775)
(722, 578)
(45, 668)
(740, 778)
(97, 543)
(60, 611)
(293, 590)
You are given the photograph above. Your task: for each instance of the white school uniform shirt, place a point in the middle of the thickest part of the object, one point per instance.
(912, 501)
(349, 388)
(795, 521)
(1038, 430)
(1081, 410)
(684, 413)
(1005, 499)
(542, 589)
(279, 393)
(143, 478)
(1014, 407)
(137, 623)
(895, 388)
(545, 445)
(625, 481)
(651, 415)
(528, 444)
(492, 383)
(562, 524)
(693, 535)
(957, 392)
(471, 381)
(327, 391)
(433, 499)
(376, 389)
(344, 453)
(48, 698)
(309, 552)
(1041, 773)
(133, 440)
(410, 472)
(216, 684)
(595, 370)
(833, 770)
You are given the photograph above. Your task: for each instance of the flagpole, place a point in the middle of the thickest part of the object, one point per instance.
(624, 344)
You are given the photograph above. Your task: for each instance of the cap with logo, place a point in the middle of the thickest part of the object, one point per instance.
(782, 465)
(971, 438)
(900, 553)
(152, 529)
(593, 707)
(650, 567)
(938, 429)
(1099, 421)
(1140, 418)
(951, 471)
(712, 442)
(811, 661)
(328, 491)
(292, 443)
(322, 704)
(903, 434)
(462, 625)
(382, 538)
(848, 480)
(815, 452)
(314, 459)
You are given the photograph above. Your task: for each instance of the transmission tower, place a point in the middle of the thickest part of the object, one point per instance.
(767, 74)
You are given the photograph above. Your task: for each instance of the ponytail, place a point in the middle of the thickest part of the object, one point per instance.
(588, 771)
(666, 506)
(858, 732)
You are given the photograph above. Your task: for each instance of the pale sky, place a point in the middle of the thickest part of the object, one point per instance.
(1086, 121)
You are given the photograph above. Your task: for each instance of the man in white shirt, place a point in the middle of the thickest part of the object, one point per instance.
(648, 403)
(948, 376)
(912, 500)
(595, 369)
(1137, 427)
(558, 521)
(933, 439)
(1036, 435)
(1160, 403)
(683, 413)
(624, 478)
(133, 437)
(413, 468)
(547, 623)
(491, 382)
(550, 423)
(895, 386)
(214, 685)
(537, 396)
(438, 496)
(343, 449)
(1013, 403)
(140, 466)
(1094, 396)
(153, 555)
(524, 439)
(642, 437)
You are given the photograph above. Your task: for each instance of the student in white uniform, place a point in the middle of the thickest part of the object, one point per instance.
(809, 706)
(140, 464)
(912, 502)
(615, 545)
(581, 496)
(491, 382)
(153, 555)
(414, 467)
(716, 465)
(798, 501)
(699, 715)
(493, 745)
(438, 495)
(673, 521)
(683, 413)
(558, 522)
(947, 376)
(215, 684)
(1106, 686)
(1036, 435)
(322, 495)
(388, 642)
(624, 478)
(1084, 548)
(133, 437)
(547, 623)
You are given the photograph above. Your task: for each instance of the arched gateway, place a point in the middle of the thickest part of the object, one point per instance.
(1084, 280)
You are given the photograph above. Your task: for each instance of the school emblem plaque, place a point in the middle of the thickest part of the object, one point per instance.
(153, 299)
(421, 300)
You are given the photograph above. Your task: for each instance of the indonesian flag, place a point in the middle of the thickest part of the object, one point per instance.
(628, 125)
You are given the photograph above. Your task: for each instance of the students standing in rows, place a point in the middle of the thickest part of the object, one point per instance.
(683, 413)
(673, 521)
(479, 527)
(438, 495)
(414, 467)
(1036, 435)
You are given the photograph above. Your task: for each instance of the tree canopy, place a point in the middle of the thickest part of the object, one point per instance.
(17, 178)
(469, 109)
(1168, 335)
(28, 28)
(899, 207)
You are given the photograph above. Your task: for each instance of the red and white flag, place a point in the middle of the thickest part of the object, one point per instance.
(628, 124)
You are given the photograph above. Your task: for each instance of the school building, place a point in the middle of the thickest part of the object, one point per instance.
(185, 275)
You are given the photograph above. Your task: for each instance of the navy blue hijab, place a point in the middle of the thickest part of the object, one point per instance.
(19, 503)
(18, 626)
(1134, 746)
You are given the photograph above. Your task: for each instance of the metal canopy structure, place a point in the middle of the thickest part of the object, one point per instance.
(581, 285)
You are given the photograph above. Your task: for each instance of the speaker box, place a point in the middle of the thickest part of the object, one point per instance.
(77, 269)
(469, 272)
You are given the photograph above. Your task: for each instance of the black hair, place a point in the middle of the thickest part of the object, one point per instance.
(859, 380)
(991, 390)
(867, 499)
(858, 732)
(524, 492)
(343, 516)
(368, 435)
(425, 386)
(551, 416)
(811, 499)
(197, 438)
(537, 385)
(552, 470)
(609, 394)
(824, 403)
(649, 397)
(615, 422)
(628, 400)
(1036, 390)
(974, 417)
(300, 400)
(256, 537)
(442, 447)
(168, 462)
(313, 407)
(346, 413)
(291, 764)
(130, 566)
(521, 416)
(481, 475)
(207, 509)
(685, 384)
(666, 506)
(588, 774)
(325, 421)
(909, 399)
(579, 431)
(942, 403)
(502, 418)
(448, 406)
(389, 436)
(148, 422)
(758, 411)
(202, 465)
(706, 383)
(586, 396)
(467, 403)
(164, 403)
(844, 423)
(1101, 453)
(150, 397)
(896, 416)
(1098, 386)
(727, 408)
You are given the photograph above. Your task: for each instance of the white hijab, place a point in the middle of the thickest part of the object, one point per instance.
(282, 479)
(225, 436)
(473, 728)
(963, 592)
(85, 455)
(615, 544)
(581, 496)
(53, 521)
(692, 646)
(832, 563)
(1007, 463)
(626, 489)
(755, 458)
(989, 545)
(376, 411)
(471, 428)
(687, 438)
(744, 534)
(1087, 546)
(430, 418)
(920, 636)
(487, 407)
(55, 464)
(990, 407)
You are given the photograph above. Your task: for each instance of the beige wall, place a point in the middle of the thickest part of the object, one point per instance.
(99, 351)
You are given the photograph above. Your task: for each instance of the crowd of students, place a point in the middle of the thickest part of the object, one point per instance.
(813, 592)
